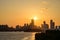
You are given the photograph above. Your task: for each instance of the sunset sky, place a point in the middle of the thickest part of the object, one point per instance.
(13, 12)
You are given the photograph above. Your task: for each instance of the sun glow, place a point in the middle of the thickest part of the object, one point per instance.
(35, 18)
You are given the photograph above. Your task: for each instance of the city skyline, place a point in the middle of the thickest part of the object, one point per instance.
(18, 12)
(52, 24)
(31, 27)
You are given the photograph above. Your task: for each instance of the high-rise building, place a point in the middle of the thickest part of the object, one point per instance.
(52, 24)
(32, 22)
(31, 26)
(45, 26)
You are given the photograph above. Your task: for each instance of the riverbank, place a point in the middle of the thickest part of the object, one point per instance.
(48, 35)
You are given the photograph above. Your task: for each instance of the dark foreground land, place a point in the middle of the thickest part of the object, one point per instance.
(48, 35)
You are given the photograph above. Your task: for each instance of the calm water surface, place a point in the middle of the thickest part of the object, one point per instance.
(17, 36)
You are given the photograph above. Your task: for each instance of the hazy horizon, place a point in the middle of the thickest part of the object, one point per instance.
(18, 12)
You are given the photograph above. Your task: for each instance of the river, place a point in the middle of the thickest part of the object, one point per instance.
(17, 35)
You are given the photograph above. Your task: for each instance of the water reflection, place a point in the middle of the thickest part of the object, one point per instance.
(17, 35)
(31, 37)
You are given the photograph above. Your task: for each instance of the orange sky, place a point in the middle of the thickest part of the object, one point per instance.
(13, 12)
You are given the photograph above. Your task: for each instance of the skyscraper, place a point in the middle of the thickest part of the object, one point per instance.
(45, 26)
(52, 24)
(32, 22)
(31, 26)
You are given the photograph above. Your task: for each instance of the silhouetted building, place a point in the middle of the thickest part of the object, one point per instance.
(52, 24)
(25, 27)
(4, 27)
(11, 29)
(45, 26)
(31, 24)
(58, 27)
(17, 27)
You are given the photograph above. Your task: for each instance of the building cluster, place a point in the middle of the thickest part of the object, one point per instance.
(26, 27)
(52, 26)
(44, 26)
(31, 27)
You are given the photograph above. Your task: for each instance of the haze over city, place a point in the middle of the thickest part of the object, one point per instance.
(18, 12)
